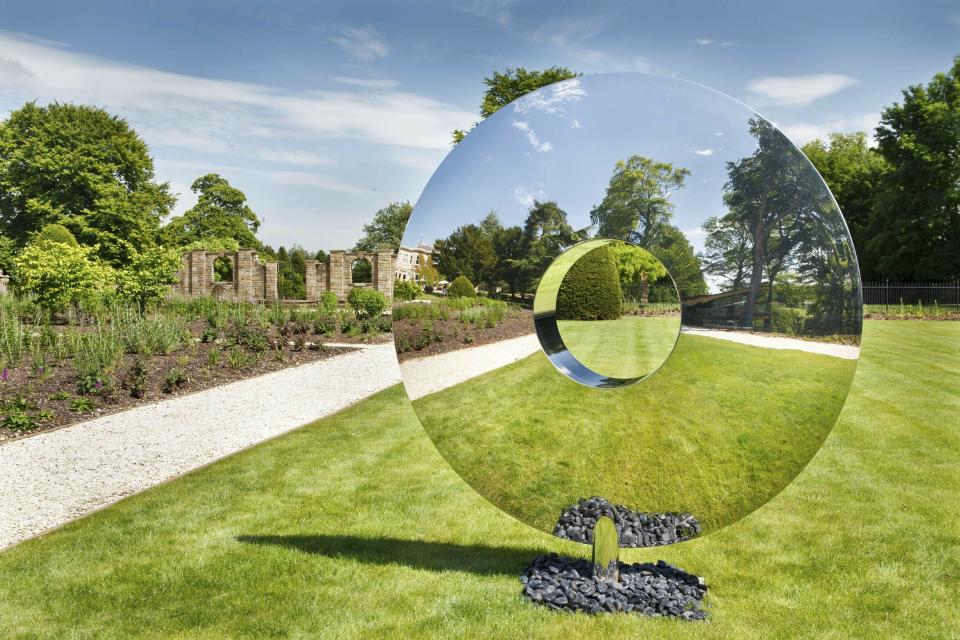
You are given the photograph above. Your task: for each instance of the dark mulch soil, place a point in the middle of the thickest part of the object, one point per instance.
(651, 589)
(57, 390)
(454, 334)
(635, 529)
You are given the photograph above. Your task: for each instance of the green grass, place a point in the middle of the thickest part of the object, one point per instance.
(716, 431)
(355, 528)
(630, 347)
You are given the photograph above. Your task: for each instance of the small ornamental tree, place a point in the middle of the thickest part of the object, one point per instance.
(328, 303)
(145, 281)
(461, 287)
(591, 288)
(56, 233)
(406, 290)
(60, 276)
(366, 303)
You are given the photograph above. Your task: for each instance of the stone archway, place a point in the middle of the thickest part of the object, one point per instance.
(252, 279)
(336, 274)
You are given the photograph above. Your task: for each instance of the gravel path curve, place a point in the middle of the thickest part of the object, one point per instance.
(51, 478)
(845, 351)
(434, 373)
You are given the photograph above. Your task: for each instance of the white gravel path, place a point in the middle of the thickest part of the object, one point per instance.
(848, 352)
(434, 373)
(51, 478)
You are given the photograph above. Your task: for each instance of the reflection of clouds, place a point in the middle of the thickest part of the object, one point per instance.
(526, 197)
(551, 98)
(532, 137)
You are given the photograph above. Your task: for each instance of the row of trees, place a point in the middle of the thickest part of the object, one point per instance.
(901, 198)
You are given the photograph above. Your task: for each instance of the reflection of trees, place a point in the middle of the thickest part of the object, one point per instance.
(783, 230)
(637, 208)
(512, 257)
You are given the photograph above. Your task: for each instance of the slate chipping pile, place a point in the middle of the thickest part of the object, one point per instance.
(634, 528)
(650, 589)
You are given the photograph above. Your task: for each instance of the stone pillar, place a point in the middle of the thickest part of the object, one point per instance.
(644, 289)
(199, 273)
(310, 283)
(270, 289)
(243, 274)
(336, 274)
(383, 271)
(4, 281)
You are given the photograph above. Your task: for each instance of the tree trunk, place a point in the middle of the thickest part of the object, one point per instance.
(760, 233)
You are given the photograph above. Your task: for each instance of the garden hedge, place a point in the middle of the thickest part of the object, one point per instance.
(591, 288)
(461, 287)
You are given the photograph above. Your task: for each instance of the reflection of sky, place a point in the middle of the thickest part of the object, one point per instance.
(562, 142)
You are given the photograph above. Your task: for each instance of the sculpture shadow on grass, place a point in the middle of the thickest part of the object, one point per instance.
(418, 554)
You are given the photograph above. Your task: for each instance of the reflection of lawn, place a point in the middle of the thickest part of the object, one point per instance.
(717, 430)
(630, 347)
(365, 532)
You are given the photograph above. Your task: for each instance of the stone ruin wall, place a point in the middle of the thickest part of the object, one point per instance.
(253, 280)
(256, 281)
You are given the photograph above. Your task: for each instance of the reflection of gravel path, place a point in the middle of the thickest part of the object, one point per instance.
(845, 351)
(50, 478)
(447, 369)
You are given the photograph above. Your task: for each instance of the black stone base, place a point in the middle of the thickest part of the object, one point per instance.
(634, 528)
(650, 589)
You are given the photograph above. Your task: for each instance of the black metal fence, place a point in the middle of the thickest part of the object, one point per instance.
(890, 295)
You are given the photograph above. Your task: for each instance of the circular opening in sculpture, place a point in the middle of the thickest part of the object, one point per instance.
(607, 313)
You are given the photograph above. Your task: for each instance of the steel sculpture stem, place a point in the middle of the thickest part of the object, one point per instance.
(606, 550)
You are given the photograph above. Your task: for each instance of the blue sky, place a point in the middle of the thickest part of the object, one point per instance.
(324, 112)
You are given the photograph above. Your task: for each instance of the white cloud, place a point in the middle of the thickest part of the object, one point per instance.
(532, 137)
(367, 83)
(800, 90)
(300, 158)
(496, 10)
(213, 116)
(362, 43)
(551, 98)
(955, 18)
(575, 124)
(526, 197)
(703, 152)
(803, 132)
(710, 42)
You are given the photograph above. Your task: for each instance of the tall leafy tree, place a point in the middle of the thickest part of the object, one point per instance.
(221, 213)
(915, 232)
(504, 88)
(546, 234)
(761, 190)
(386, 227)
(853, 170)
(728, 250)
(468, 251)
(677, 255)
(637, 202)
(83, 168)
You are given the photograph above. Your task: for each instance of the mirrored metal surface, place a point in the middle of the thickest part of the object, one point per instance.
(596, 318)
(757, 253)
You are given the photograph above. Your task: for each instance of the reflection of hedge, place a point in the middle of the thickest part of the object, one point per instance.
(591, 288)
(461, 287)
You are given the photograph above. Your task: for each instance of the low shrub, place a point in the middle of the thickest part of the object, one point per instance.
(325, 325)
(82, 405)
(328, 303)
(174, 379)
(136, 382)
(461, 287)
(366, 303)
(252, 337)
(406, 290)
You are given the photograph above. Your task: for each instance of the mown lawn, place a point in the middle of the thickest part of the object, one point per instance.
(629, 347)
(354, 527)
(717, 431)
